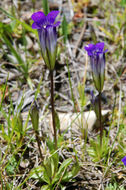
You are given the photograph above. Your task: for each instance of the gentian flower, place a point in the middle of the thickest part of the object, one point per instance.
(124, 160)
(47, 35)
(97, 62)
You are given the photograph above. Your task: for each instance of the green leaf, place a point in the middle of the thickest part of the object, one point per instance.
(11, 166)
(45, 6)
(4, 135)
(45, 187)
(17, 125)
(71, 174)
(96, 151)
(30, 83)
(4, 91)
(123, 3)
(62, 168)
(40, 173)
(64, 165)
(64, 29)
(54, 162)
(47, 175)
(50, 145)
(14, 52)
(37, 173)
(26, 26)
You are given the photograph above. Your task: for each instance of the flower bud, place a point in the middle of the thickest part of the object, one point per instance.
(34, 114)
(97, 62)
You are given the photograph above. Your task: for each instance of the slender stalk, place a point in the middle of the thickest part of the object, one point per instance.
(53, 112)
(100, 119)
(40, 152)
(39, 144)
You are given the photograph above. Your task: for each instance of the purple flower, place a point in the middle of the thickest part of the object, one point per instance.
(97, 62)
(47, 35)
(124, 160)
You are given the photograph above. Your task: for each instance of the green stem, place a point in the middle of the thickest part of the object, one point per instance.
(53, 111)
(100, 119)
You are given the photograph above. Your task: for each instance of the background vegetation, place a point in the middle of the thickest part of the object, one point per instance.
(79, 162)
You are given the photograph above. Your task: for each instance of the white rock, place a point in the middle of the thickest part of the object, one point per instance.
(85, 120)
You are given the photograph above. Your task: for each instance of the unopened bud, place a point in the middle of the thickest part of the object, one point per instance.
(34, 114)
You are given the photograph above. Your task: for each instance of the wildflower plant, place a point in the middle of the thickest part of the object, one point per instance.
(53, 174)
(46, 27)
(97, 61)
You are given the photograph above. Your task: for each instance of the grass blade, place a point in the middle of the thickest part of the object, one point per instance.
(45, 6)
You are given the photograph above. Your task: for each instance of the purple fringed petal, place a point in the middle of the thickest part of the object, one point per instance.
(99, 46)
(39, 18)
(90, 48)
(124, 160)
(35, 26)
(56, 24)
(52, 16)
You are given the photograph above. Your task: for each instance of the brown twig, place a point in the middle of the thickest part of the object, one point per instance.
(80, 38)
(39, 144)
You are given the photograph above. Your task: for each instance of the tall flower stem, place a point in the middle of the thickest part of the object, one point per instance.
(52, 106)
(100, 119)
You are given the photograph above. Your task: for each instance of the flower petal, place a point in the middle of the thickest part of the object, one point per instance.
(52, 16)
(42, 37)
(90, 48)
(39, 17)
(105, 50)
(99, 46)
(124, 160)
(35, 26)
(51, 39)
(57, 24)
